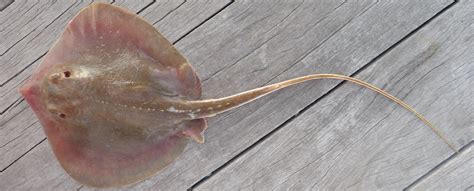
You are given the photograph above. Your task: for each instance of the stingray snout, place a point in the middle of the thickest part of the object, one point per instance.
(32, 94)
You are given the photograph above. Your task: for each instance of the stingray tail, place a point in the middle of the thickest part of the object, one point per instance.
(211, 107)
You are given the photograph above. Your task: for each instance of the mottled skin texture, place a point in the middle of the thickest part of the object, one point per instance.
(118, 102)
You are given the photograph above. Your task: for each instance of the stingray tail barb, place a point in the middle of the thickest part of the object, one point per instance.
(211, 107)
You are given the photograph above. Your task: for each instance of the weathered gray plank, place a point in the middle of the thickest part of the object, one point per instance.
(355, 139)
(153, 14)
(455, 174)
(19, 132)
(19, 21)
(138, 5)
(17, 135)
(187, 16)
(31, 176)
(4, 4)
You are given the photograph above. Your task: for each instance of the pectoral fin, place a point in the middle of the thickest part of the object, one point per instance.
(194, 129)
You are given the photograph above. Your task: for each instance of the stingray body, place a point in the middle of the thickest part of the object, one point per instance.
(104, 92)
(118, 102)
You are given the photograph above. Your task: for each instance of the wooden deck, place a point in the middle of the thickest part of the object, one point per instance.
(324, 135)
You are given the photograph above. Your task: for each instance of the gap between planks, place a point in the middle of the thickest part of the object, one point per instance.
(205, 20)
(149, 4)
(266, 136)
(4, 4)
(439, 166)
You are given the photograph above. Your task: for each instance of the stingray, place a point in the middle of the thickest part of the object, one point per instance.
(118, 102)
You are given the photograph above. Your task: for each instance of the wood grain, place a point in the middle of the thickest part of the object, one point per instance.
(30, 173)
(455, 174)
(4, 4)
(357, 140)
(19, 21)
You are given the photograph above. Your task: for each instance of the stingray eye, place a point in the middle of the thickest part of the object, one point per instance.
(56, 77)
(67, 74)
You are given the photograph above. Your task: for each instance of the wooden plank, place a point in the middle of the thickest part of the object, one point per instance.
(156, 11)
(138, 5)
(20, 131)
(188, 16)
(19, 21)
(455, 174)
(31, 176)
(4, 4)
(354, 139)
(264, 32)
(17, 135)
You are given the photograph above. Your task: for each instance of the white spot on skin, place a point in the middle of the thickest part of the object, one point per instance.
(82, 73)
(192, 115)
(209, 108)
(174, 110)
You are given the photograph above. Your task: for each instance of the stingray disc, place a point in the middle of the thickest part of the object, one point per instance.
(92, 95)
